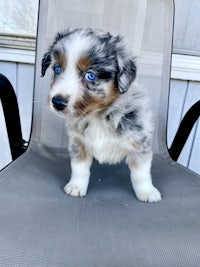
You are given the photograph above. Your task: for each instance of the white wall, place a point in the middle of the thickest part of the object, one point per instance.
(19, 17)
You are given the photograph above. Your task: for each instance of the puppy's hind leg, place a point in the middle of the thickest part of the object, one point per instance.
(141, 179)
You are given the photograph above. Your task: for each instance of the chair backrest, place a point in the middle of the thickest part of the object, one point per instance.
(146, 24)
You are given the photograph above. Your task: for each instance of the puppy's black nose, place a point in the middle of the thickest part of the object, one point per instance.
(59, 103)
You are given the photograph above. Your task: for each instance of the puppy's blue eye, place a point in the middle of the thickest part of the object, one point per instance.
(90, 76)
(57, 70)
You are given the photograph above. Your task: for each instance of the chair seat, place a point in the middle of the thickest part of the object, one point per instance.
(41, 226)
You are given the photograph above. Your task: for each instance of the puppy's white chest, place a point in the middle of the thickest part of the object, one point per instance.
(102, 143)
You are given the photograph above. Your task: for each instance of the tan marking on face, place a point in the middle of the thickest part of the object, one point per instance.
(91, 102)
(60, 58)
(84, 64)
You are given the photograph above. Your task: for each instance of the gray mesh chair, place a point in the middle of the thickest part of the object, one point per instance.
(40, 225)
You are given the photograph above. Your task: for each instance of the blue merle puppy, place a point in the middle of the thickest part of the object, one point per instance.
(107, 113)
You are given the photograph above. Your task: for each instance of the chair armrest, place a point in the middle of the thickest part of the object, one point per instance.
(184, 130)
(11, 113)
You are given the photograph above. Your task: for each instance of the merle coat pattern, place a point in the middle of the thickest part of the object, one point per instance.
(107, 113)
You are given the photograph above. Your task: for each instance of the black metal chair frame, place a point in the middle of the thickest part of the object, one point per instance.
(184, 130)
(12, 118)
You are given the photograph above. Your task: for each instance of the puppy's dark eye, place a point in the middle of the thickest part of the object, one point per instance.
(90, 76)
(106, 75)
(57, 70)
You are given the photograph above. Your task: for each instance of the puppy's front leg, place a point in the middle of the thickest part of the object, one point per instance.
(78, 184)
(141, 180)
(80, 170)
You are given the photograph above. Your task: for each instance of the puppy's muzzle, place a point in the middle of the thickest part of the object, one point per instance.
(59, 103)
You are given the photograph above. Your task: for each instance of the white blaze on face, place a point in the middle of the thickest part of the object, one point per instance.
(68, 84)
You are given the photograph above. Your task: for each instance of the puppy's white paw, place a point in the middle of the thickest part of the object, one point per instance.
(75, 190)
(147, 193)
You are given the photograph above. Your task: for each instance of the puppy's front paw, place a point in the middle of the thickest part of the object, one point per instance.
(147, 193)
(75, 190)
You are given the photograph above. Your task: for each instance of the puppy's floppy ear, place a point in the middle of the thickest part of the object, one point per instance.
(46, 61)
(126, 75)
(126, 66)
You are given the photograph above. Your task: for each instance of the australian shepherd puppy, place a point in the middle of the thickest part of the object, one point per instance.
(106, 112)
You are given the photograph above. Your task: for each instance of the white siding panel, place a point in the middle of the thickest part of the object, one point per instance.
(183, 94)
(10, 71)
(16, 55)
(21, 77)
(25, 97)
(178, 91)
(193, 95)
